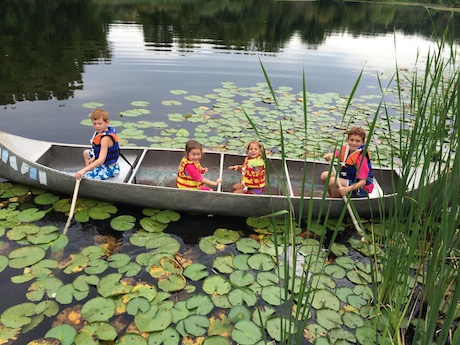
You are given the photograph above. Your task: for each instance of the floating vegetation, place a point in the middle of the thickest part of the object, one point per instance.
(227, 128)
(158, 291)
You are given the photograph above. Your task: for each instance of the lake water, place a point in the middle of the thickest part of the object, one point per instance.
(56, 56)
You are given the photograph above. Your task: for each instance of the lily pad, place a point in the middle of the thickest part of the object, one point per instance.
(98, 309)
(123, 223)
(65, 333)
(25, 256)
(246, 333)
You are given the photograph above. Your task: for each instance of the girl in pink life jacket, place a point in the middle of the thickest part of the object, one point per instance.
(190, 172)
(252, 171)
(356, 171)
(101, 161)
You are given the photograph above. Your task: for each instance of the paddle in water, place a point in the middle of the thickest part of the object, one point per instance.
(72, 205)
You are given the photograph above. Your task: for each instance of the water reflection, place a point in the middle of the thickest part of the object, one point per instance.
(45, 45)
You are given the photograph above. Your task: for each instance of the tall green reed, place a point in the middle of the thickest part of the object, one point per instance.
(415, 301)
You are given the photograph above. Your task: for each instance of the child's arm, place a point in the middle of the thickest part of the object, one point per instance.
(235, 167)
(354, 186)
(105, 143)
(211, 183)
(193, 172)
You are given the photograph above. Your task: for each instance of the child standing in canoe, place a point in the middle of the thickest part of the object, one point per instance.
(101, 160)
(190, 173)
(355, 174)
(252, 171)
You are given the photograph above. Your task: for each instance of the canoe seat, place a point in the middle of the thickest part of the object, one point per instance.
(125, 168)
(377, 192)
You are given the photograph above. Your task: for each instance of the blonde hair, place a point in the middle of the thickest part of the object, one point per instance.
(100, 114)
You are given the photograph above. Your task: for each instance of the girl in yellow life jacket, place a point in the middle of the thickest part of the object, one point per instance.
(252, 171)
(190, 172)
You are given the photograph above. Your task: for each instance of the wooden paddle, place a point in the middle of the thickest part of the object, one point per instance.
(72, 206)
(349, 208)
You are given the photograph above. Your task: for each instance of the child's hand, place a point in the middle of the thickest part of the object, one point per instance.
(328, 156)
(205, 170)
(233, 167)
(219, 180)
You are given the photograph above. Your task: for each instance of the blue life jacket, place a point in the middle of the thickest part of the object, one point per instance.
(113, 152)
(348, 162)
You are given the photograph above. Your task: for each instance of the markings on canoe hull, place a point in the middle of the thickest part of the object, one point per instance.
(26, 169)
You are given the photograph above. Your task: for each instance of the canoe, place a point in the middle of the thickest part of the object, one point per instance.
(148, 179)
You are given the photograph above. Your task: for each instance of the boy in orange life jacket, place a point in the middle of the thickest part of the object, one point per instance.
(101, 160)
(356, 171)
(190, 173)
(252, 171)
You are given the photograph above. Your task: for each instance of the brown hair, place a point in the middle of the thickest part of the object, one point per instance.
(100, 114)
(357, 131)
(258, 143)
(191, 145)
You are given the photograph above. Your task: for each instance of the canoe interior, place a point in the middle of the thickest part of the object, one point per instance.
(157, 167)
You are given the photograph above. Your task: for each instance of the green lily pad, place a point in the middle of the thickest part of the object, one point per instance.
(239, 296)
(224, 264)
(261, 262)
(96, 266)
(30, 215)
(247, 245)
(154, 320)
(328, 318)
(119, 260)
(172, 282)
(246, 333)
(167, 337)
(110, 285)
(279, 327)
(67, 293)
(46, 199)
(20, 231)
(225, 236)
(200, 304)
(325, 299)
(65, 333)
(92, 105)
(140, 103)
(46, 234)
(216, 285)
(196, 272)
(196, 325)
(77, 263)
(123, 223)
(242, 278)
(274, 294)
(25, 256)
(98, 309)
(216, 340)
(137, 305)
(239, 313)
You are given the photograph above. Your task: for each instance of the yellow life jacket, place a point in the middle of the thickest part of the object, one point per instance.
(183, 179)
(253, 178)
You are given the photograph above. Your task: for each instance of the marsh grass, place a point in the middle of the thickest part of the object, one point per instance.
(416, 256)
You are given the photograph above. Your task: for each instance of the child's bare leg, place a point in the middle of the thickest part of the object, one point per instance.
(238, 188)
(331, 184)
(86, 157)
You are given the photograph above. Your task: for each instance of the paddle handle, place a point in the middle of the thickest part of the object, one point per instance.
(345, 199)
(72, 206)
